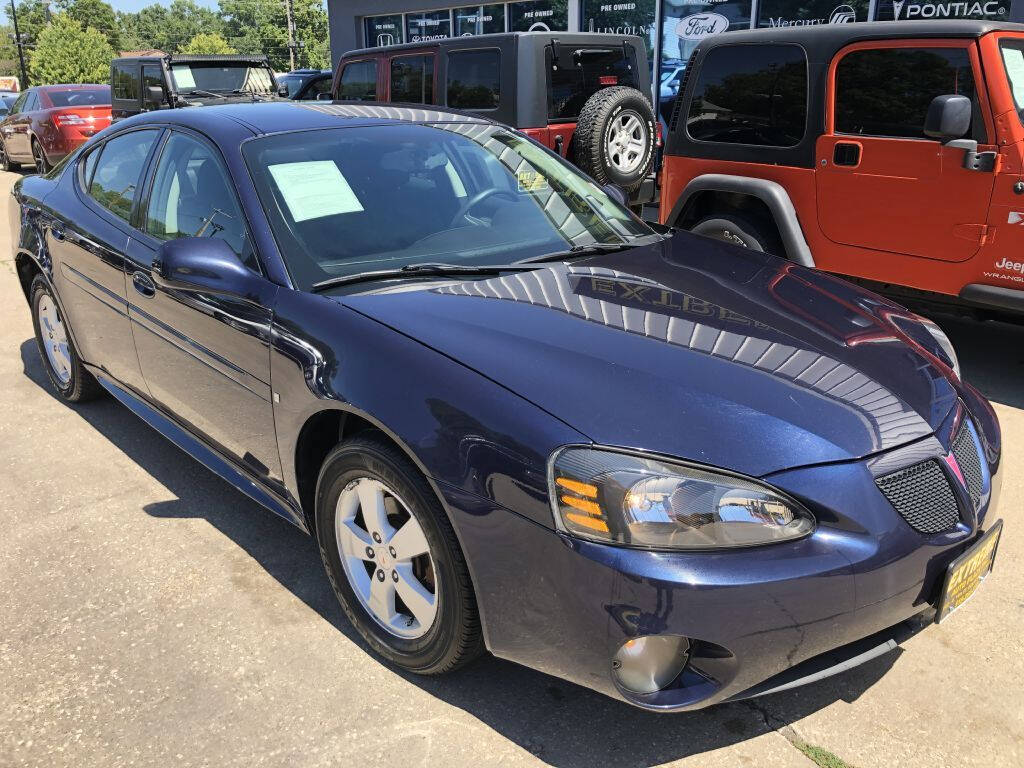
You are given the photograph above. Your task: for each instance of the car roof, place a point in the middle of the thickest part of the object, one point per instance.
(571, 38)
(283, 116)
(823, 40)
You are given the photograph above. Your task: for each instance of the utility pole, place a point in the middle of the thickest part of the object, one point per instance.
(291, 31)
(21, 45)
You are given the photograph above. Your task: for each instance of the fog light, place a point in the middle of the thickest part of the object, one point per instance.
(648, 664)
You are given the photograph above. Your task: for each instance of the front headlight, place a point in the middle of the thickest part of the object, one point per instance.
(622, 498)
(948, 355)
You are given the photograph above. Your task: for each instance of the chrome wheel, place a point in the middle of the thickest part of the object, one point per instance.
(626, 141)
(386, 558)
(55, 340)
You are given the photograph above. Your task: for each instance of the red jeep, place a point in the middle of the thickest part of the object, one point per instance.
(889, 152)
(583, 95)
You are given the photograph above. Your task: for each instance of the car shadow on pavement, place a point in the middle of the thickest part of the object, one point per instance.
(559, 722)
(991, 356)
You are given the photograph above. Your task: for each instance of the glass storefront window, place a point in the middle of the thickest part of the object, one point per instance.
(538, 16)
(431, 25)
(383, 30)
(479, 20)
(798, 13)
(684, 23)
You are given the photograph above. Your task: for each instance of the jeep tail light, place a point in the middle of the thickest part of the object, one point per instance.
(608, 79)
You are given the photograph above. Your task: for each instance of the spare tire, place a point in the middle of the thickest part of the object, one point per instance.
(615, 137)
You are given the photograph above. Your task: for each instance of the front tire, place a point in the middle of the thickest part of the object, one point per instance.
(6, 164)
(72, 382)
(393, 559)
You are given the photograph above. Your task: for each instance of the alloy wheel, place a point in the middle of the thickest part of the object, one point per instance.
(626, 141)
(386, 558)
(39, 158)
(55, 340)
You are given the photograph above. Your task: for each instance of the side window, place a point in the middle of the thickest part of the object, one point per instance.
(412, 79)
(886, 91)
(193, 197)
(118, 171)
(322, 85)
(126, 84)
(19, 104)
(151, 75)
(359, 81)
(474, 79)
(32, 102)
(750, 94)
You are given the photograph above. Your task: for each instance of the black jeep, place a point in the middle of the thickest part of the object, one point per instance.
(144, 83)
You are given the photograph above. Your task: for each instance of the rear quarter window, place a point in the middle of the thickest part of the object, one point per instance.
(474, 79)
(750, 94)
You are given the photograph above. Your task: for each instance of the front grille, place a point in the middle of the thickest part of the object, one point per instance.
(923, 497)
(966, 454)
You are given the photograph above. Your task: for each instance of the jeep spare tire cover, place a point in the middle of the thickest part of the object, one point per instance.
(615, 137)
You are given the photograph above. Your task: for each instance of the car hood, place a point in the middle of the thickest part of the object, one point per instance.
(691, 348)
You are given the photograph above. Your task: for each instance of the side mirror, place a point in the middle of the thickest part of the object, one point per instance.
(154, 95)
(205, 265)
(325, 97)
(282, 91)
(948, 118)
(616, 192)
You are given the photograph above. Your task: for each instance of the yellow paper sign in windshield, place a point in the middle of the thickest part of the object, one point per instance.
(531, 181)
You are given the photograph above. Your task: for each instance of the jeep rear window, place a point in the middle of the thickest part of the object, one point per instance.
(750, 94)
(887, 91)
(222, 78)
(576, 74)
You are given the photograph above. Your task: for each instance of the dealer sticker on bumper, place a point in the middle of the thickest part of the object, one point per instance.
(968, 571)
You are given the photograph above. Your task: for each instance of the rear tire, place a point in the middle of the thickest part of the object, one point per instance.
(615, 135)
(740, 230)
(72, 382)
(39, 157)
(413, 603)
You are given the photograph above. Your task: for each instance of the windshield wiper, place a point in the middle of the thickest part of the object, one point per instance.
(420, 270)
(579, 250)
(204, 92)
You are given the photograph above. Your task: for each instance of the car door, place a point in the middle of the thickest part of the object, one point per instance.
(16, 138)
(86, 236)
(881, 183)
(205, 358)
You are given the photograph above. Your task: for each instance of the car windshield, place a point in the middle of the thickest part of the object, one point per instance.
(220, 77)
(349, 200)
(80, 97)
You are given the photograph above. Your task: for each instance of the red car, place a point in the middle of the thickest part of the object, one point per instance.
(49, 121)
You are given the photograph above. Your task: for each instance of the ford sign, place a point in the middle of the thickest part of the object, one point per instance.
(700, 25)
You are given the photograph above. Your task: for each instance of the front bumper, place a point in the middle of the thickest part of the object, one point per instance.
(756, 619)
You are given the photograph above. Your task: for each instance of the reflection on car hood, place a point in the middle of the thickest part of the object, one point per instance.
(690, 348)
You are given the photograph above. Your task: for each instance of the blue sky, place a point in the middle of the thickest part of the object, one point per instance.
(134, 5)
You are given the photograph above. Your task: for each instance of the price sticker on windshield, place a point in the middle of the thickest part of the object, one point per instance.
(531, 181)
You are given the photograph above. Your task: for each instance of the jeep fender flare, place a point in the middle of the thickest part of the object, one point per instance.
(770, 193)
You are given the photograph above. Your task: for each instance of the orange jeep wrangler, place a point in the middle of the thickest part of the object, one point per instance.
(891, 153)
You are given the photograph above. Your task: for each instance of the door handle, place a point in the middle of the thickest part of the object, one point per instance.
(846, 153)
(143, 284)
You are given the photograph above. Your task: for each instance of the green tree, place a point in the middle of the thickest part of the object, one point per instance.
(208, 43)
(168, 28)
(96, 14)
(33, 16)
(67, 53)
(259, 26)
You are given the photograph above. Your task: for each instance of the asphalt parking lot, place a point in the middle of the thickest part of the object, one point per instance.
(152, 615)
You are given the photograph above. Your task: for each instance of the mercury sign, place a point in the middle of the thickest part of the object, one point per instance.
(700, 25)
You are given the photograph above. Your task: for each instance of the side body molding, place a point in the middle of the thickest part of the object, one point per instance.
(770, 193)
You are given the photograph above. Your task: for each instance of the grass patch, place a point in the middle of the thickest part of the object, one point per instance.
(821, 756)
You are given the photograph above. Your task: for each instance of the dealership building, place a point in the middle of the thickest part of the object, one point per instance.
(672, 28)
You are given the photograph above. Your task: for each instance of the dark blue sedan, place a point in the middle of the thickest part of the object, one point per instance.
(514, 416)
